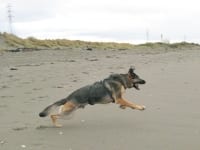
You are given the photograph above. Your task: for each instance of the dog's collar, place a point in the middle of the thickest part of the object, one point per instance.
(124, 83)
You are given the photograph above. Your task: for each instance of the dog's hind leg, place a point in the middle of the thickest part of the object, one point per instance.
(64, 109)
(54, 118)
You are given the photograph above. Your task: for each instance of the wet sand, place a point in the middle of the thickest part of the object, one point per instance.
(29, 81)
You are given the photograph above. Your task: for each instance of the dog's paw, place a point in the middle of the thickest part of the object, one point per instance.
(144, 107)
(141, 107)
(58, 125)
(122, 107)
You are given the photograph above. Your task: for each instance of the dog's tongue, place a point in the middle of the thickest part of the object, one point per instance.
(136, 86)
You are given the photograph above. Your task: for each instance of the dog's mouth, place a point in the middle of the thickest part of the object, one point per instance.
(136, 86)
(137, 82)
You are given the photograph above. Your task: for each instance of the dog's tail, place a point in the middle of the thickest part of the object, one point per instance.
(52, 107)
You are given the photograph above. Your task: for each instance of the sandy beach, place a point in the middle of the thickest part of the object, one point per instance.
(29, 81)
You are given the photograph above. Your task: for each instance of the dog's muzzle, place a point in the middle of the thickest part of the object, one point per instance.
(136, 83)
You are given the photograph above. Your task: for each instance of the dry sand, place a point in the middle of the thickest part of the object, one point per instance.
(29, 81)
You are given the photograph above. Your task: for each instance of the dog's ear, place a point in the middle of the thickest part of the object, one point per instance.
(131, 70)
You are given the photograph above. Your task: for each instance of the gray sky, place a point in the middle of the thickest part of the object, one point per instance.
(104, 20)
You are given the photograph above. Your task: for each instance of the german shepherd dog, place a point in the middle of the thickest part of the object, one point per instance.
(110, 90)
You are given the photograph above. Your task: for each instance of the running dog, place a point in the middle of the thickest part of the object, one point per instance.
(109, 90)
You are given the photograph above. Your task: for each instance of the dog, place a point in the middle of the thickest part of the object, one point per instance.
(109, 90)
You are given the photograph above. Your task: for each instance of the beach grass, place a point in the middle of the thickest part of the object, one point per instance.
(11, 41)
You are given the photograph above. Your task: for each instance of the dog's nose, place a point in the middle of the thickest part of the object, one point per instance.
(143, 82)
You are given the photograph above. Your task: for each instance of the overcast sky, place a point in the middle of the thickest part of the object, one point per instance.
(104, 20)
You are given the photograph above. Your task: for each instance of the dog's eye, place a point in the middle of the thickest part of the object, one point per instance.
(134, 76)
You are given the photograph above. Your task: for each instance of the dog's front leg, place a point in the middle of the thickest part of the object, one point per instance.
(125, 103)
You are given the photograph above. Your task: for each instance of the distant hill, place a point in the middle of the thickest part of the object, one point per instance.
(10, 42)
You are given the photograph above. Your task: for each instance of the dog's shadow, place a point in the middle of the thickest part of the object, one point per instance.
(93, 125)
(42, 127)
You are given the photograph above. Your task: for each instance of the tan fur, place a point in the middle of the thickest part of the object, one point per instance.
(66, 108)
(125, 103)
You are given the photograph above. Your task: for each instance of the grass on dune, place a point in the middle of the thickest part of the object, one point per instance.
(13, 41)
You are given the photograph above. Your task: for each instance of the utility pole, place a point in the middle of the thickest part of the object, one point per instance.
(10, 17)
(161, 37)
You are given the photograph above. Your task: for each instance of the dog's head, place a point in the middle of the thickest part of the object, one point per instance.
(134, 78)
